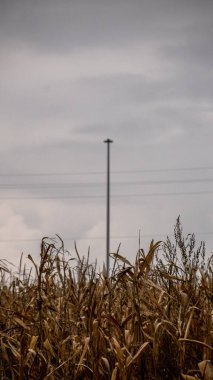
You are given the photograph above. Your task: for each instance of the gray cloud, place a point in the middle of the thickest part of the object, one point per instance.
(75, 73)
(71, 25)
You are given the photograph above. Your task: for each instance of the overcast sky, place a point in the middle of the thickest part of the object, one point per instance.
(73, 73)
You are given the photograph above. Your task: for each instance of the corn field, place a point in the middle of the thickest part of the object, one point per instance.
(151, 319)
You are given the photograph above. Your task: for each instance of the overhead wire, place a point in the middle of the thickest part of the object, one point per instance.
(52, 186)
(4, 186)
(9, 186)
(112, 196)
(129, 171)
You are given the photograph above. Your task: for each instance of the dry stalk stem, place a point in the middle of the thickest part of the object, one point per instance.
(70, 322)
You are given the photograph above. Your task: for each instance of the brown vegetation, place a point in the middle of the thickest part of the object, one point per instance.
(150, 320)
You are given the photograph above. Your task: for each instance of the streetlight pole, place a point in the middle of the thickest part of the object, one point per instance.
(108, 141)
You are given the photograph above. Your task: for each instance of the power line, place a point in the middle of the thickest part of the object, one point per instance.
(54, 197)
(95, 184)
(113, 196)
(164, 170)
(49, 174)
(129, 171)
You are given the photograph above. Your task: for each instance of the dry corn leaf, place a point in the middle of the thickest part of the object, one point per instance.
(33, 342)
(86, 345)
(193, 308)
(145, 265)
(161, 296)
(48, 347)
(21, 323)
(118, 350)
(31, 259)
(128, 337)
(56, 369)
(195, 341)
(106, 363)
(187, 377)
(65, 340)
(3, 267)
(123, 259)
(131, 359)
(126, 271)
(206, 369)
(31, 351)
(114, 373)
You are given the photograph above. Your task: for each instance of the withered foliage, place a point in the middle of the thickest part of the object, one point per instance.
(149, 320)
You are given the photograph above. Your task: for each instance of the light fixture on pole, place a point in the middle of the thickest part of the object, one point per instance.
(108, 141)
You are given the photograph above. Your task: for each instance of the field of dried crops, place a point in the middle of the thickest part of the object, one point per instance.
(148, 320)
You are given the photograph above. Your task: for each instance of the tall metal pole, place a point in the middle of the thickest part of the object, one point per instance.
(108, 141)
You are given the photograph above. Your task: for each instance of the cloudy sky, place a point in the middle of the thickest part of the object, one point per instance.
(73, 73)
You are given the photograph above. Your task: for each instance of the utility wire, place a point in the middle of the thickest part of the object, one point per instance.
(45, 174)
(95, 184)
(113, 195)
(164, 170)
